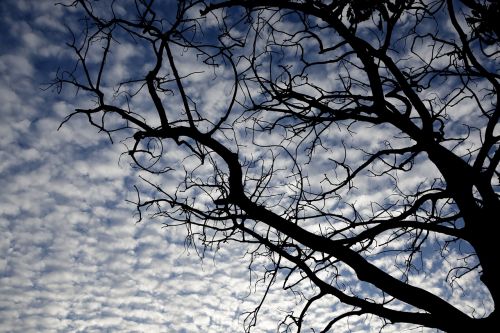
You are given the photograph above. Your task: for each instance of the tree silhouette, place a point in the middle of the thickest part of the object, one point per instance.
(352, 145)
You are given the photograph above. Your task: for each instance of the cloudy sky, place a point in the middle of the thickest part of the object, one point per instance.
(72, 256)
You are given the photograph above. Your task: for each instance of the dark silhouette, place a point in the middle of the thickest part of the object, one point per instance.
(350, 143)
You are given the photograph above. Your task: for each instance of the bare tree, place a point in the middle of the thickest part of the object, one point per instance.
(349, 143)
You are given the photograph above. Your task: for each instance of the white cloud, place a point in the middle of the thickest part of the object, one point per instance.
(72, 257)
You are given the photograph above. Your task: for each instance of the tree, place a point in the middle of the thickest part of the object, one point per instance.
(351, 143)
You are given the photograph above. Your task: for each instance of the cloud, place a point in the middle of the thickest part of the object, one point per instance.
(73, 258)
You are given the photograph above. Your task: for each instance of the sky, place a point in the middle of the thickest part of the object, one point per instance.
(73, 257)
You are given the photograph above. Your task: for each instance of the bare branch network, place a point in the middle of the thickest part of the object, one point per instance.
(351, 145)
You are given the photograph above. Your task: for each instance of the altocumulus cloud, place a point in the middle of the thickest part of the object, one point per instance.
(72, 258)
